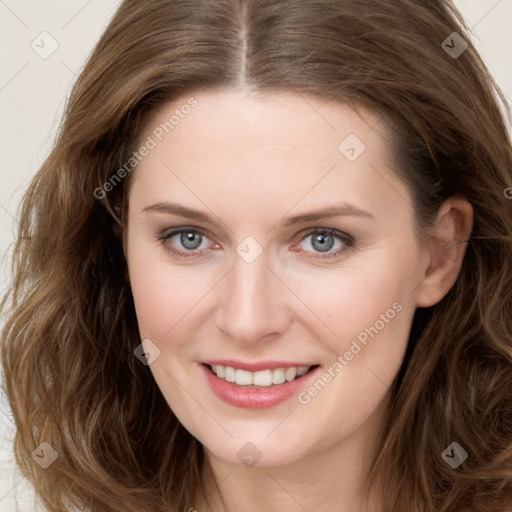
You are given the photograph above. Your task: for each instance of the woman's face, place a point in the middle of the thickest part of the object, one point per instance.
(297, 250)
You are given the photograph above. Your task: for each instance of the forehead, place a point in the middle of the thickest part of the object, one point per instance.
(223, 118)
(257, 147)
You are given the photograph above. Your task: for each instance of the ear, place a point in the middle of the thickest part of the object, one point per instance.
(445, 250)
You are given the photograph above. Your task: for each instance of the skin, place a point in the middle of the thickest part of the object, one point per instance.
(251, 160)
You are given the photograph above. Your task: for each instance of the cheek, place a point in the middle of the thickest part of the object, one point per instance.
(363, 299)
(164, 293)
(370, 310)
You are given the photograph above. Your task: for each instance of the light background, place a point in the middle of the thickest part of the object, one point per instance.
(33, 91)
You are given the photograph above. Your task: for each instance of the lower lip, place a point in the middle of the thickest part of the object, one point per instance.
(254, 397)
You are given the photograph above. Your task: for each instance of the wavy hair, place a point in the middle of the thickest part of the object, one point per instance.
(70, 333)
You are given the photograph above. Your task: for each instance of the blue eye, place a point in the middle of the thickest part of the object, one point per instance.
(191, 240)
(324, 241)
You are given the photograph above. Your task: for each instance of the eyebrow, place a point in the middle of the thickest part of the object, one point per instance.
(344, 209)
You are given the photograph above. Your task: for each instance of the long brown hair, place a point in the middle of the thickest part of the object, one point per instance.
(67, 346)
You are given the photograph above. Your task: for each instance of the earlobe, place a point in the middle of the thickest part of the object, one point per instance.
(445, 251)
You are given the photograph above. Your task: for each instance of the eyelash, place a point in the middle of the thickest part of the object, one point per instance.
(347, 240)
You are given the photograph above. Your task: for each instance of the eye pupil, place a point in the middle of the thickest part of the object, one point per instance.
(188, 239)
(326, 242)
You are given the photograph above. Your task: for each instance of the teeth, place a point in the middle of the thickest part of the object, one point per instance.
(302, 370)
(290, 374)
(278, 376)
(243, 378)
(229, 374)
(262, 378)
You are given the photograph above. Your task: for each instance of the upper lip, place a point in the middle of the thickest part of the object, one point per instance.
(259, 366)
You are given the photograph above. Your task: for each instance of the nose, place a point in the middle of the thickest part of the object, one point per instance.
(252, 306)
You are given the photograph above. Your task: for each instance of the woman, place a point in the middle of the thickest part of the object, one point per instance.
(267, 265)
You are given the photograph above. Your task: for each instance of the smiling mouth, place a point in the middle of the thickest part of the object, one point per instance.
(263, 378)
